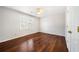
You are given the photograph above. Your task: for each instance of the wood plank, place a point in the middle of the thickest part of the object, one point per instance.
(37, 42)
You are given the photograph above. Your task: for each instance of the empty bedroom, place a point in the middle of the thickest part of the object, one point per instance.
(32, 29)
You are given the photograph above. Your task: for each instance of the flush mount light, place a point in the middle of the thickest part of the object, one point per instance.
(39, 11)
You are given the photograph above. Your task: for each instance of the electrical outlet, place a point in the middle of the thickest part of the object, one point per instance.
(77, 28)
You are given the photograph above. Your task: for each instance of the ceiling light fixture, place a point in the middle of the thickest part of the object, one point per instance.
(39, 11)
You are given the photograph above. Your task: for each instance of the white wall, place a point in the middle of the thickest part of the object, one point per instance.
(14, 24)
(53, 21)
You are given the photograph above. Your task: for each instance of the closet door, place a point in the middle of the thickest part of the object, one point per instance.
(29, 25)
(34, 25)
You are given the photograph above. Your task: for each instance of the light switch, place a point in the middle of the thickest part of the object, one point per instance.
(77, 28)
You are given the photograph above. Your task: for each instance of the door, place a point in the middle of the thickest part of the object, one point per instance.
(72, 28)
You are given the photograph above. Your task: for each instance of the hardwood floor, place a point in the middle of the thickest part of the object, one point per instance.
(38, 42)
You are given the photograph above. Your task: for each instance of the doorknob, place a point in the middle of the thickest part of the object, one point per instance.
(70, 31)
